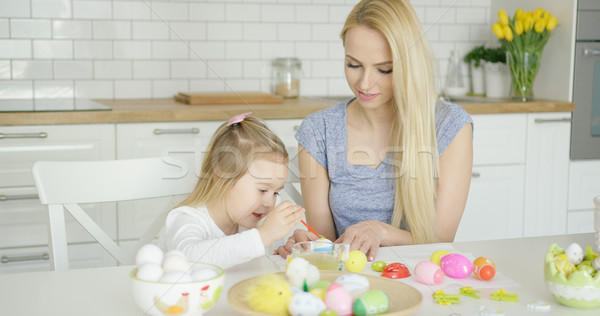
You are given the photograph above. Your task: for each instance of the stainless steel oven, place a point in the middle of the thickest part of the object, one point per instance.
(585, 128)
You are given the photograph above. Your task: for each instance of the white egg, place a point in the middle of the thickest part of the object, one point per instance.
(353, 283)
(574, 253)
(175, 264)
(149, 253)
(149, 272)
(304, 303)
(176, 277)
(201, 274)
(176, 252)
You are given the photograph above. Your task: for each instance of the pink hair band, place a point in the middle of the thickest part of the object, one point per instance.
(238, 118)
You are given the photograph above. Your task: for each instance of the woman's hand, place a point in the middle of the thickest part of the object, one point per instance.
(279, 222)
(299, 235)
(365, 236)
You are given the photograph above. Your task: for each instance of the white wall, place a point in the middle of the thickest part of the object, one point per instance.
(125, 49)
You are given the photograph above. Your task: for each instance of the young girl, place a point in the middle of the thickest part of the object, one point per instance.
(243, 171)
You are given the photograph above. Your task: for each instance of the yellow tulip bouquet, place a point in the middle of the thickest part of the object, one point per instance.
(524, 36)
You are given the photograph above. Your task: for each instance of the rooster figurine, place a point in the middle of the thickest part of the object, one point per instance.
(181, 307)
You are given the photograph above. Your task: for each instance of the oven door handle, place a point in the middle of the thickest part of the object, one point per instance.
(591, 52)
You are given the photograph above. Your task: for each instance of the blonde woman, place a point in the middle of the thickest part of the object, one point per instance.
(391, 166)
(244, 169)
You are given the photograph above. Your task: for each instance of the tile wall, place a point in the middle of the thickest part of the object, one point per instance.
(68, 49)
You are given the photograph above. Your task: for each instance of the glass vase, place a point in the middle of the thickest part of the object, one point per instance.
(523, 69)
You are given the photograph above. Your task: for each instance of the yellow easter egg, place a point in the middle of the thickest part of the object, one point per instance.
(318, 292)
(564, 266)
(357, 260)
(437, 255)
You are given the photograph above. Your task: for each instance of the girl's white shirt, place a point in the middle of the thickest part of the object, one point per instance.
(192, 231)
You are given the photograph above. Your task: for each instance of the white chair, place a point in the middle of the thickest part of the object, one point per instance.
(63, 185)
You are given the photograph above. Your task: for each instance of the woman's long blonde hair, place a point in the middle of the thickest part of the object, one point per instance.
(414, 142)
(229, 154)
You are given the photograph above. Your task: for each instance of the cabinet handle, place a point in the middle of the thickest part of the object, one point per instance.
(160, 131)
(475, 174)
(44, 256)
(558, 120)
(4, 198)
(23, 135)
(591, 52)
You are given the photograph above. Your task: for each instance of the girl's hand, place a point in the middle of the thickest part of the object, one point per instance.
(279, 222)
(299, 235)
(365, 236)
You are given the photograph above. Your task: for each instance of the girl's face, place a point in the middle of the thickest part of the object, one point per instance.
(255, 193)
(368, 66)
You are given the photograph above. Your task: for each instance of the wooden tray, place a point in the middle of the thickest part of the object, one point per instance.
(404, 299)
(211, 98)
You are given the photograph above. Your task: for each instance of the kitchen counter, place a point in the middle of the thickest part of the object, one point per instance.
(167, 110)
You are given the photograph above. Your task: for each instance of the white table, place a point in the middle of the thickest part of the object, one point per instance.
(106, 291)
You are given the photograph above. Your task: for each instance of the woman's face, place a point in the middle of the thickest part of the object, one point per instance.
(368, 66)
(254, 194)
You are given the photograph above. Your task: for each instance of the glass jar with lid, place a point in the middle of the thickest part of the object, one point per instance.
(286, 73)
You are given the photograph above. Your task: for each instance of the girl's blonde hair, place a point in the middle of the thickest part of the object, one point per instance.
(229, 154)
(415, 95)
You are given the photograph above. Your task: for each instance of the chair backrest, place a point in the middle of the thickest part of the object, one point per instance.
(63, 185)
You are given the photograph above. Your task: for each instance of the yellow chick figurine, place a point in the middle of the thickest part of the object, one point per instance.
(269, 294)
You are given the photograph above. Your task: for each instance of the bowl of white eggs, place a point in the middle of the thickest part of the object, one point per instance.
(169, 284)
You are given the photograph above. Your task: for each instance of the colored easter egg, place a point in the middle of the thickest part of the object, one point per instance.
(373, 302)
(596, 263)
(484, 268)
(437, 255)
(574, 253)
(395, 270)
(355, 284)
(323, 244)
(378, 266)
(318, 292)
(429, 273)
(304, 303)
(322, 284)
(564, 266)
(338, 300)
(456, 266)
(357, 260)
(328, 312)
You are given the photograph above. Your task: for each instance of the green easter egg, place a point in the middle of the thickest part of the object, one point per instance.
(328, 312)
(374, 302)
(323, 284)
(378, 266)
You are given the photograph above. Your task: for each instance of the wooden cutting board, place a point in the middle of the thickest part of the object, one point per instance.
(211, 98)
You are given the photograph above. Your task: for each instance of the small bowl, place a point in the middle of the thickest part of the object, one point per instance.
(579, 289)
(325, 255)
(191, 298)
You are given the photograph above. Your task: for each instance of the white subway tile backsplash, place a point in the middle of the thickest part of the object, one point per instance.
(294, 31)
(188, 31)
(92, 10)
(207, 85)
(112, 29)
(18, 49)
(432, 32)
(132, 50)
(416, 3)
(150, 30)
(181, 69)
(277, 13)
(55, 89)
(4, 28)
(207, 50)
(338, 86)
(270, 50)
(31, 69)
(151, 69)
(242, 12)
(207, 12)
(14, 9)
(472, 15)
(73, 69)
(169, 50)
(336, 51)
(313, 87)
(5, 69)
(130, 10)
(325, 69)
(224, 69)
(220, 31)
(69, 29)
(312, 50)
(168, 88)
(16, 89)
(312, 13)
(93, 49)
(260, 31)
(51, 8)
(242, 85)
(21, 28)
(168, 11)
(94, 89)
(436, 15)
(326, 32)
(242, 50)
(52, 49)
(338, 14)
(133, 89)
(454, 33)
(479, 34)
(112, 69)
(257, 69)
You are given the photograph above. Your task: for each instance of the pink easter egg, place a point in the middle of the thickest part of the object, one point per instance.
(456, 266)
(429, 273)
(338, 300)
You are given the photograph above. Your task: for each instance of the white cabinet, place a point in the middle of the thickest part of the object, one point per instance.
(23, 220)
(286, 130)
(584, 185)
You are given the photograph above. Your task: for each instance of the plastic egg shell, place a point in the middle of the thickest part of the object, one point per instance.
(373, 302)
(149, 253)
(355, 284)
(428, 272)
(149, 272)
(175, 263)
(338, 299)
(484, 268)
(304, 303)
(456, 266)
(574, 253)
